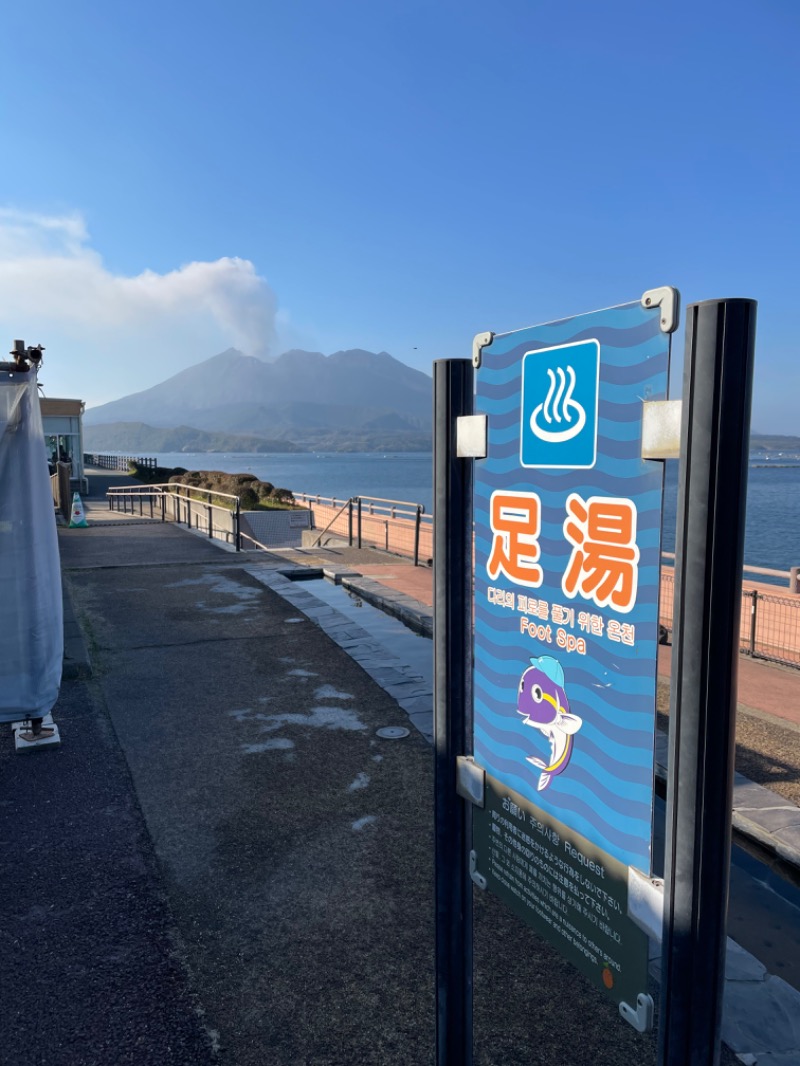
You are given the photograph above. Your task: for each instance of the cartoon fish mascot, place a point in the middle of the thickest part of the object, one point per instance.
(543, 702)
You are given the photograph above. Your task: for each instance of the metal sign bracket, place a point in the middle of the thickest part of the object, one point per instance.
(646, 902)
(661, 429)
(669, 300)
(641, 1018)
(472, 435)
(470, 780)
(479, 342)
(478, 878)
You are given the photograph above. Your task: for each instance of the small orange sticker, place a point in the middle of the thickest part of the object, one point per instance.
(608, 978)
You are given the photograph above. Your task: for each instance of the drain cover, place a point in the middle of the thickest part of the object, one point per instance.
(392, 732)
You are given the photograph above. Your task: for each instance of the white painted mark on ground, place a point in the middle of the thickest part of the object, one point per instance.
(276, 744)
(225, 586)
(300, 673)
(318, 718)
(368, 819)
(361, 781)
(241, 714)
(328, 692)
(295, 620)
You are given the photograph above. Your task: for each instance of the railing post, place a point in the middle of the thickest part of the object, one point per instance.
(794, 579)
(188, 509)
(210, 530)
(350, 522)
(151, 504)
(163, 506)
(753, 620)
(359, 521)
(417, 525)
(236, 527)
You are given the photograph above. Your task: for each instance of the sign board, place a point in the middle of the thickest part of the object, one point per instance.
(567, 553)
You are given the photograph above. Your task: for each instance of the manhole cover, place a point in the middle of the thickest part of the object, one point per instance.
(392, 732)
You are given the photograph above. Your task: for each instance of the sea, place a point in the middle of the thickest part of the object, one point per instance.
(772, 532)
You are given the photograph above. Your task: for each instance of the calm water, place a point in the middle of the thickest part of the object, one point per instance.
(406, 476)
(772, 536)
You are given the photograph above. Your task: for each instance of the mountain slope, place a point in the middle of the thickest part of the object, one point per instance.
(301, 395)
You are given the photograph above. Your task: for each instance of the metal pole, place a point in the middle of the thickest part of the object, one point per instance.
(350, 522)
(452, 711)
(359, 521)
(717, 387)
(753, 621)
(417, 525)
(236, 527)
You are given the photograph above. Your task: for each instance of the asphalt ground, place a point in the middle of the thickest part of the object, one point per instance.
(224, 863)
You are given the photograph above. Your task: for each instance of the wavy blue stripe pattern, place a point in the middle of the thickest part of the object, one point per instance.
(606, 792)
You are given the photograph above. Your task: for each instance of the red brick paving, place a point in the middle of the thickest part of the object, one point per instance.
(762, 686)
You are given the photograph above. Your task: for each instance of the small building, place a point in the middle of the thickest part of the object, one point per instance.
(63, 433)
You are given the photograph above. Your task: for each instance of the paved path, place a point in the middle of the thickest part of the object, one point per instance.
(236, 868)
(224, 863)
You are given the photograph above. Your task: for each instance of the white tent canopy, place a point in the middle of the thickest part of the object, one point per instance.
(31, 618)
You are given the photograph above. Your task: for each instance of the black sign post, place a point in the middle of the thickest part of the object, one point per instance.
(715, 431)
(452, 651)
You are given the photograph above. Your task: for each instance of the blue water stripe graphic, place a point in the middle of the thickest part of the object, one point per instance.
(622, 759)
(632, 675)
(552, 486)
(628, 839)
(620, 786)
(625, 709)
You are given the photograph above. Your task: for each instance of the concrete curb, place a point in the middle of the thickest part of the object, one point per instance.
(760, 815)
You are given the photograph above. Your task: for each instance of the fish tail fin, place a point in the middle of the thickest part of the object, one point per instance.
(544, 781)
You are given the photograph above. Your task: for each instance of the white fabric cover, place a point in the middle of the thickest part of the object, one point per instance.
(31, 610)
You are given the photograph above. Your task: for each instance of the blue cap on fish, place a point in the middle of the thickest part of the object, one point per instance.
(541, 696)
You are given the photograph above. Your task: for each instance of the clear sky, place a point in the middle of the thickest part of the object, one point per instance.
(388, 174)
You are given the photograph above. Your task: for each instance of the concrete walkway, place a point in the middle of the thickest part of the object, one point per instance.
(225, 863)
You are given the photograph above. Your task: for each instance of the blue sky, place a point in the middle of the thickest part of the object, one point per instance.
(390, 175)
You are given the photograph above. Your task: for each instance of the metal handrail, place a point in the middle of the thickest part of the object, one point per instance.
(791, 576)
(392, 507)
(172, 490)
(347, 503)
(172, 487)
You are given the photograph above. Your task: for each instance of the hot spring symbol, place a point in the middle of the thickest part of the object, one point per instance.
(542, 701)
(558, 407)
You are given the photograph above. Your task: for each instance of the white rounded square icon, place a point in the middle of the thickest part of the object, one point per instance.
(560, 388)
